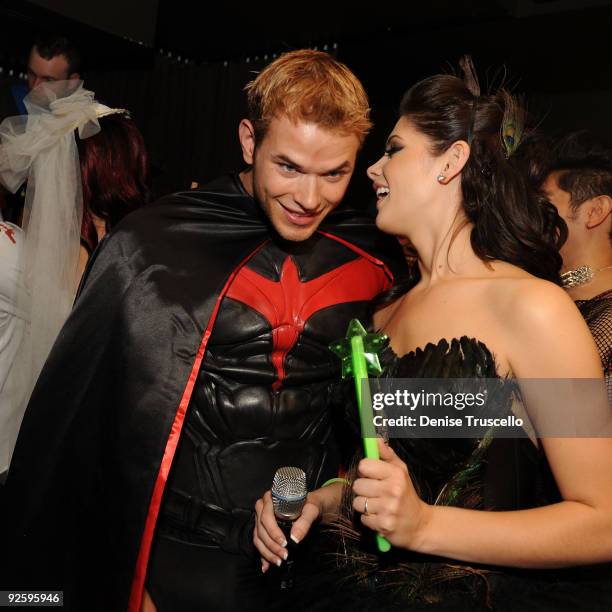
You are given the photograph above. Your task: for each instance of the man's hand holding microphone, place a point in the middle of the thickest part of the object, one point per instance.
(285, 514)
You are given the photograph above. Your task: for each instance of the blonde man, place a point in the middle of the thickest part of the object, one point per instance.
(206, 366)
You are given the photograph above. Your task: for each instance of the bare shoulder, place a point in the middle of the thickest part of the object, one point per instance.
(531, 301)
(546, 334)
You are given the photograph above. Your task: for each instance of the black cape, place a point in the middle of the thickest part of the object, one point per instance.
(98, 438)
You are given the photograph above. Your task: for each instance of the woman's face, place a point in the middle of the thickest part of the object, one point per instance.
(405, 179)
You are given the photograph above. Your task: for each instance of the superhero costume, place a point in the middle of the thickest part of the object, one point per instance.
(161, 302)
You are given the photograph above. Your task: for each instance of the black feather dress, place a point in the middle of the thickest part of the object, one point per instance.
(491, 473)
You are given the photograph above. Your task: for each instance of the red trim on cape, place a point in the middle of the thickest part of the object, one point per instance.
(363, 253)
(140, 571)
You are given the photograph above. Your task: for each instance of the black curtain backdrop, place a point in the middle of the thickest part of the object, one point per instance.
(189, 112)
(188, 115)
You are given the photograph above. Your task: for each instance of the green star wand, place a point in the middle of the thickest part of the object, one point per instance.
(359, 354)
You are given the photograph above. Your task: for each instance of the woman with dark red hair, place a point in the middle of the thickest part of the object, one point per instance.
(116, 179)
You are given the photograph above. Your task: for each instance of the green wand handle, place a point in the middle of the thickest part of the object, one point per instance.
(359, 354)
(364, 402)
(364, 396)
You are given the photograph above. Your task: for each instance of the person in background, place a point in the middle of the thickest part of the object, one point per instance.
(116, 179)
(12, 323)
(52, 58)
(67, 213)
(579, 184)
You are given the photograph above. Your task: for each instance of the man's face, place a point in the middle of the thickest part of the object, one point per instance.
(41, 70)
(300, 174)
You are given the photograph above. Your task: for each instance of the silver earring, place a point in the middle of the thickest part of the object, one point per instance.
(440, 178)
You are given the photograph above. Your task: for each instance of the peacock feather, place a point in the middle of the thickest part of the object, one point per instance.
(513, 123)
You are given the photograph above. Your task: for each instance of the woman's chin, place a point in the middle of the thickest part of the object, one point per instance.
(383, 224)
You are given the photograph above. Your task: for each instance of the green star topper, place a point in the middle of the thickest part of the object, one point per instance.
(359, 354)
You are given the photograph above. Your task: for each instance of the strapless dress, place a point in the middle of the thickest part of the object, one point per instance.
(493, 474)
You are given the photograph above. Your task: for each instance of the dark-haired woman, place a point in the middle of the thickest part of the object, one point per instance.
(496, 523)
(482, 264)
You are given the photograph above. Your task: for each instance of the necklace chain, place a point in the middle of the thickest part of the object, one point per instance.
(580, 276)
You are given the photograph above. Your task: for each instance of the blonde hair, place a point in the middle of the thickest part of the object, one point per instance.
(309, 86)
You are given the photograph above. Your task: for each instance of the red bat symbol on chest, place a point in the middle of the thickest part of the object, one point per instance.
(289, 302)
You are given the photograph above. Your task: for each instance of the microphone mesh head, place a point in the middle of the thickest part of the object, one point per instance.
(289, 492)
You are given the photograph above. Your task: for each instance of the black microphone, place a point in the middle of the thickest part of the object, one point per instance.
(288, 498)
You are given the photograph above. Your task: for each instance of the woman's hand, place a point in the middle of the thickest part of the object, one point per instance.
(267, 535)
(393, 508)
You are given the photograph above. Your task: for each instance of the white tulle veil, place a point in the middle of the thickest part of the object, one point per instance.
(40, 147)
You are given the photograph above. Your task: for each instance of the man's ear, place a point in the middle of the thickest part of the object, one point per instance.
(600, 208)
(453, 161)
(75, 76)
(246, 135)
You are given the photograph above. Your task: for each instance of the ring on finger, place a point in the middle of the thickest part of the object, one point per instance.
(365, 506)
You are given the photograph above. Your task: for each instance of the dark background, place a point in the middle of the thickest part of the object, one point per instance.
(181, 70)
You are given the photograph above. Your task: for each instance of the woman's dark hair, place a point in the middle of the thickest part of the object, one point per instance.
(512, 222)
(115, 173)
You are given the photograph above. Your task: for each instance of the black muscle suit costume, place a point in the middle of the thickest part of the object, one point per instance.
(194, 317)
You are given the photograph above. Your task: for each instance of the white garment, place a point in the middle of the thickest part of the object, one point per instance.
(12, 326)
(40, 147)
